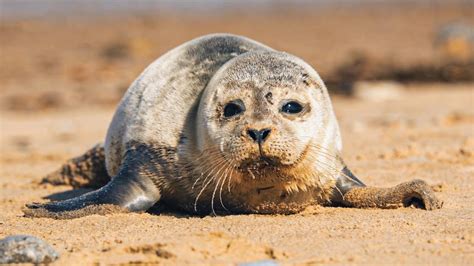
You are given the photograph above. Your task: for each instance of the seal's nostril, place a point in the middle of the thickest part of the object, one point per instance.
(259, 136)
(264, 133)
(253, 134)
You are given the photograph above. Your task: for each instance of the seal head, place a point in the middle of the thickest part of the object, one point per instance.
(267, 116)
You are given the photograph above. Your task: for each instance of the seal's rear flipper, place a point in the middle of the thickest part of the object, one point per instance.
(416, 192)
(87, 170)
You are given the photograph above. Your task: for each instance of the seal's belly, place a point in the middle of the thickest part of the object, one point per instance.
(263, 200)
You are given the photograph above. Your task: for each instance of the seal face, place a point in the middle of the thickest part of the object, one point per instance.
(225, 124)
(261, 119)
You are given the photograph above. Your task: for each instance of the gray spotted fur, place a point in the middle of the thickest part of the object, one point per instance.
(168, 135)
(160, 127)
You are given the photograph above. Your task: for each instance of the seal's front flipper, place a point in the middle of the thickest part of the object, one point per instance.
(417, 193)
(126, 192)
(131, 190)
(87, 170)
(345, 182)
(39, 211)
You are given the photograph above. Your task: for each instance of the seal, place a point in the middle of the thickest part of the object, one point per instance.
(223, 124)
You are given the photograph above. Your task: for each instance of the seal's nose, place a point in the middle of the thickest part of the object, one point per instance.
(259, 136)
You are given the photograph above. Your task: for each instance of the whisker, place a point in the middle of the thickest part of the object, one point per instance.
(215, 189)
(340, 172)
(251, 173)
(230, 178)
(220, 191)
(320, 150)
(195, 182)
(213, 195)
(220, 162)
(205, 185)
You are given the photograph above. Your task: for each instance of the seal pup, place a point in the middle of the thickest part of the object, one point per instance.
(224, 124)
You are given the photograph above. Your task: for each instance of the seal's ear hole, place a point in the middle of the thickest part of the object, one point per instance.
(234, 108)
(415, 201)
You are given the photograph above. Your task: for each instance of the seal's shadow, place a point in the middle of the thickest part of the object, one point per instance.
(68, 194)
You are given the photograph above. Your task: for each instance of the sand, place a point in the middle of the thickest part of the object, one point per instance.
(426, 133)
(61, 78)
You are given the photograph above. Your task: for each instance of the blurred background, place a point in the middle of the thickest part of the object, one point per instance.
(63, 53)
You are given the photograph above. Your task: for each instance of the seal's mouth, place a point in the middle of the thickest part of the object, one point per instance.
(261, 162)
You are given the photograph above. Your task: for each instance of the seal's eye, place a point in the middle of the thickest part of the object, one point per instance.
(292, 108)
(233, 108)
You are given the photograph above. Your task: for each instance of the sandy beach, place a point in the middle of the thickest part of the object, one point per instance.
(60, 83)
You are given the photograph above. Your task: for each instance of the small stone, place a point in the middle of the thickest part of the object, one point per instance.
(26, 249)
(260, 263)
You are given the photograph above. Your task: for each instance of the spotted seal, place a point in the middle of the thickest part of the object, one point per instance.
(224, 124)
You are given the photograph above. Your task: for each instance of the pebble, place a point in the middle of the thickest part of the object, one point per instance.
(26, 249)
(260, 263)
